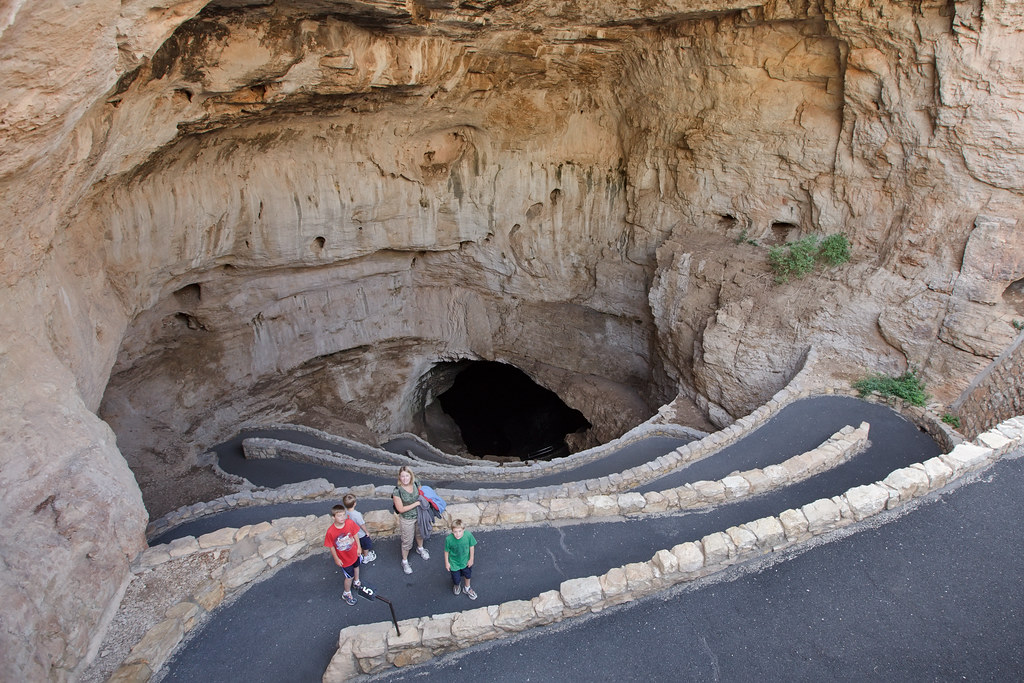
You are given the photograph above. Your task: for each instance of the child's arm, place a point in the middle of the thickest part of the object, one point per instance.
(447, 564)
(472, 553)
(337, 558)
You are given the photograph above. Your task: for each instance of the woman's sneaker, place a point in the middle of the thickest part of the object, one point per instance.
(422, 552)
(349, 598)
(370, 556)
(457, 588)
(405, 567)
(471, 593)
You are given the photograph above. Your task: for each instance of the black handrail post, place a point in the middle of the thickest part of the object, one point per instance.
(370, 594)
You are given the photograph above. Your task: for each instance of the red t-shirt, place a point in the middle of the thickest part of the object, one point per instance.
(343, 540)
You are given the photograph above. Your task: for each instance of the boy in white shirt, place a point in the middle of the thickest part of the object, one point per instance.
(365, 542)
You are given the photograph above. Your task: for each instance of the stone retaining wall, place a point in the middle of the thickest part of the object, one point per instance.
(626, 479)
(477, 471)
(365, 649)
(802, 384)
(995, 394)
(304, 490)
(256, 549)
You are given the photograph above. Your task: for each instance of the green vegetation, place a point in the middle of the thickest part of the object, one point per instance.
(835, 250)
(744, 237)
(796, 259)
(952, 420)
(1018, 325)
(907, 386)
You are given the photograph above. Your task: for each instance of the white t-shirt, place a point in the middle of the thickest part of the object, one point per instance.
(357, 517)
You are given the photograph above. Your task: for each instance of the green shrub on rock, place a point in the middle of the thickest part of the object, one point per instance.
(835, 249)
(907, 386)
(796, 259)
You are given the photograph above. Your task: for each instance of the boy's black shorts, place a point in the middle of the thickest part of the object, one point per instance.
(350, 571)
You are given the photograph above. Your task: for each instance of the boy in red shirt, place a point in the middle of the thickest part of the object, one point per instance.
(343, 540)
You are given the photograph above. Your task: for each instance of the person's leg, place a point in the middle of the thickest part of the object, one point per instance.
(366, 543)
(467, 574)
(351, 573)
(408, 528)
(420, 550)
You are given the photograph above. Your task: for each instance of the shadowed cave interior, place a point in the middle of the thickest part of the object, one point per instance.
(500, 411)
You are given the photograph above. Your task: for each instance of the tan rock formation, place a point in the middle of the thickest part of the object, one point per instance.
(243, 211)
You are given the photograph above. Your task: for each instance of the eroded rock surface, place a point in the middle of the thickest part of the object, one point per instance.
(230, 213)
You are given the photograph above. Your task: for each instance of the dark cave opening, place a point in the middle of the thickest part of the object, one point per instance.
(500, 411)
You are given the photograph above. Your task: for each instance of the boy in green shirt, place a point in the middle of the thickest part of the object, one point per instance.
(459, 551)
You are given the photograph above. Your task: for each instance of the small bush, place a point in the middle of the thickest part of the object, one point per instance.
(907, 386)
(835, 249)
(1018, 325)
(796, 260)
(952, 420)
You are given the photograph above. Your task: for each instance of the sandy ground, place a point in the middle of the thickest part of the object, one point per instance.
(148, 597)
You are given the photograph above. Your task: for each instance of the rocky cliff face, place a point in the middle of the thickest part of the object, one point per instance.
(247, 211)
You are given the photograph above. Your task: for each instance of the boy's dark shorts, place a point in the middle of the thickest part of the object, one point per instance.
(350, 571)
(366, 543)
(465, 572)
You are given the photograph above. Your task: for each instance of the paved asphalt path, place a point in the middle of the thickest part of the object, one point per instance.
(932, 594)
(276, 472)
(285, 628)
(797, 428)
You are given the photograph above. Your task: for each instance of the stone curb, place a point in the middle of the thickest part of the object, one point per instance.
(303, 490)
(837, 449)
(256, 549)
(478, 471)
(695, 450)
(367, 649)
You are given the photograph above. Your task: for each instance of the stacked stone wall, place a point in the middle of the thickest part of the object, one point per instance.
(995, 395)
(368, 649)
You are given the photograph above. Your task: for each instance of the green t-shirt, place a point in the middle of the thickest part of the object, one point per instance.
(458, 550)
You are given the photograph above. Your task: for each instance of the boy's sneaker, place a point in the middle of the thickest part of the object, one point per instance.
(349, 598)
(405, 567)
(471, 593)
(422, 552)
(370, 556)
(457, 588)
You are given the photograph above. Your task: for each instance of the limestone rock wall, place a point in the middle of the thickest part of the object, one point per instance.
(241, 210)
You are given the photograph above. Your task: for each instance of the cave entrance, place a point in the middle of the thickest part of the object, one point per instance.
(500, 411)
